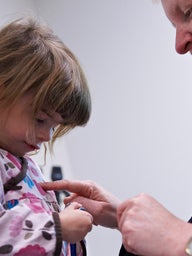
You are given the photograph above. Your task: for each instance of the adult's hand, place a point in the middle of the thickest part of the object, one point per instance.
(149, 229)
(97, 201)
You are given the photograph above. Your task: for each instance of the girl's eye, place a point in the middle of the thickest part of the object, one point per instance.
(39, 121)
(54, 128)
(188, 14)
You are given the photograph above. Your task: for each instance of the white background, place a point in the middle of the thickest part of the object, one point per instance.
(139, 138)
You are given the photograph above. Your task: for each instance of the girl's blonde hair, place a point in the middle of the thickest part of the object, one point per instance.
(34, 59)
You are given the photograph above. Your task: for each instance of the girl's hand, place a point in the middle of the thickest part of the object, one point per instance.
(75, 223)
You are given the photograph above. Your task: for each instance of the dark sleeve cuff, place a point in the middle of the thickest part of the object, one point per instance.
(123, 252)
(58, 231)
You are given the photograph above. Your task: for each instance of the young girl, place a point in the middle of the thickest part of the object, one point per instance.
(43, 95)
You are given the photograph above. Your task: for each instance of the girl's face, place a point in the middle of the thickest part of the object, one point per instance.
(16, 132)
(179, 12)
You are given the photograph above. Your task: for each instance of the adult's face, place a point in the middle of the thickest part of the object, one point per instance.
(179, 12)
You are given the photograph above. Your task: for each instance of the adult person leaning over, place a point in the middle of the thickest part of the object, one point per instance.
(147, 228)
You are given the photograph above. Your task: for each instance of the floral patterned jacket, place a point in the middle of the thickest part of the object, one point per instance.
(29, 220)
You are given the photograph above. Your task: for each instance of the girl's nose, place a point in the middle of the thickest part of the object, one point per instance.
(45, 135)
(183, 40)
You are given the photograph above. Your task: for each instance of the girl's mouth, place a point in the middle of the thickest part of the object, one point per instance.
(33, 148)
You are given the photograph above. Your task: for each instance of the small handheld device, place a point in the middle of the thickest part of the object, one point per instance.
(57, 174)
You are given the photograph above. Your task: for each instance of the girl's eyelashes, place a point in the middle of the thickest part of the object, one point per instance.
(188, 14)
(40, 121)
(41, 117)
(54, 128)
(45, 120)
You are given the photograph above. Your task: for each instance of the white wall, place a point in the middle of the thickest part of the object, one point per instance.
(12, 9)
(139, 136)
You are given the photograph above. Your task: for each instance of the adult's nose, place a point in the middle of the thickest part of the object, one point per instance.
(183, 40)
